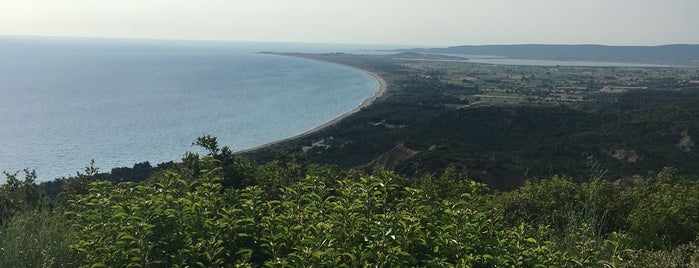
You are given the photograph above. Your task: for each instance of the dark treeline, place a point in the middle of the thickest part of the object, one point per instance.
(139, 172)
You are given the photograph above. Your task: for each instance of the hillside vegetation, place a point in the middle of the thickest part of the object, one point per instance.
(502, 124)
(219, 210)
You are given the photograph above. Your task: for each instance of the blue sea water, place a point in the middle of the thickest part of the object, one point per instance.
(65, 101)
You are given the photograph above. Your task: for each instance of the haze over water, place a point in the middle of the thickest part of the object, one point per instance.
(64, 102)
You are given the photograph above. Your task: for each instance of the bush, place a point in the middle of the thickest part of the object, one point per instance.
(37, 239)
(686, 255)
(667, 213)
(378, 220)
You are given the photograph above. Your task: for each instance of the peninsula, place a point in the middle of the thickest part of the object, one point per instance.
(501, 124)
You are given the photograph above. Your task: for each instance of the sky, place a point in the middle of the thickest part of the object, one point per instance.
(390, 22)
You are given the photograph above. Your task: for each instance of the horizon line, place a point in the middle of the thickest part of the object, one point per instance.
(326, 43)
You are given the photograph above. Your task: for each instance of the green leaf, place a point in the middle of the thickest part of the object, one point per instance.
(351, 256)
(244, 251)
(120, 215)
(125, 236)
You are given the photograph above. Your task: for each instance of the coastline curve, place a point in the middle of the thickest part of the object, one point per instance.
(382, 88)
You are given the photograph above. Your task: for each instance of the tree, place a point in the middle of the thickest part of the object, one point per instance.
(19, 195)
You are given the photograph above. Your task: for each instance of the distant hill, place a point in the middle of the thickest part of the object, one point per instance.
(666, 54)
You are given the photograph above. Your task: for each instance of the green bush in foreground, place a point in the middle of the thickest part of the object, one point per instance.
(377, 220)
(37, 239)
(218, 211)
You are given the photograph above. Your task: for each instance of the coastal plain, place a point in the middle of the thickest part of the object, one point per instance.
(502, 124)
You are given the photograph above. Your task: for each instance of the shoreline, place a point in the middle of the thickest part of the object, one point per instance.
(382, 88)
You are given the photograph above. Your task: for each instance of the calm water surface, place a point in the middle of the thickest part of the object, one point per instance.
(64, 102)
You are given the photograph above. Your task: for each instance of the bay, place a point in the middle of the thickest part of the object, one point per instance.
(500, 60)
(65, 101)
(530, 62)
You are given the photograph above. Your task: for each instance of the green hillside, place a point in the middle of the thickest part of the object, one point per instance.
(502, 124)
(218, 210)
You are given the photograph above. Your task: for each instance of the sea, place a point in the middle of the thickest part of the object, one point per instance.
(67, 101)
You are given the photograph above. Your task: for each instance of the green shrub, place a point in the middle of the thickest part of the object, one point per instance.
(37, 239)
(686, 255)
(667, 214)
(376, 220)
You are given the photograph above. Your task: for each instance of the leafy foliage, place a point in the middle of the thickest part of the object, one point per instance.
(37, 239)
(666, 213)
(20, 195)
(377, 220)
(297, 214)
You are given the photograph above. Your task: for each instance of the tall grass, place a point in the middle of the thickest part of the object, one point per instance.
(37, 239)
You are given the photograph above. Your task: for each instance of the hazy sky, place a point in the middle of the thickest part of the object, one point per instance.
(408, 22)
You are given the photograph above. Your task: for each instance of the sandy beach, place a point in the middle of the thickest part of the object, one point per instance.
(380, 92)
